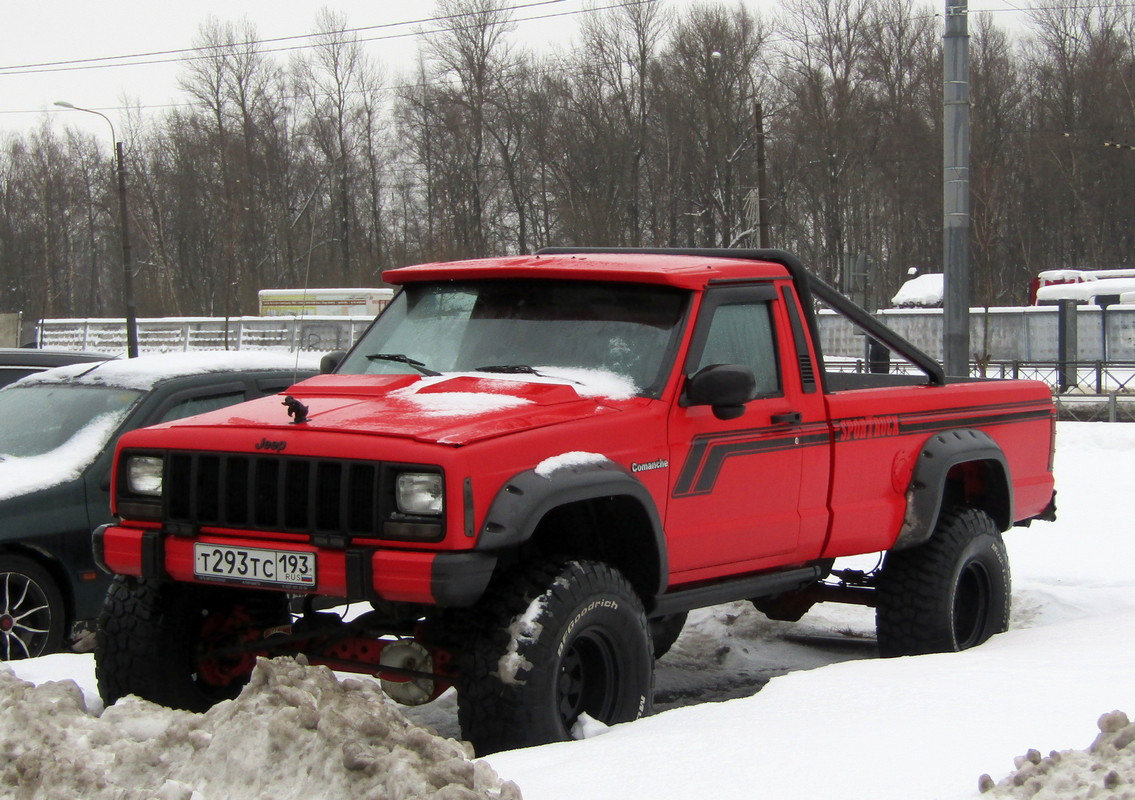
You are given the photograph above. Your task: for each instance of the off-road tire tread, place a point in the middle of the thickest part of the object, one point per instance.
(497, 716)
(146, 636)
(915, 595)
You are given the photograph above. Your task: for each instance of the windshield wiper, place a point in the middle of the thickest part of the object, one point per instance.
(524, 369)
(402, 359)
(509, 369)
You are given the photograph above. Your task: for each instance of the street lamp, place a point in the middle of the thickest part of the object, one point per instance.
(123, 219)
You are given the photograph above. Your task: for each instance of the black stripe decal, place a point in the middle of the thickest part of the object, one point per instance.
(709, 452)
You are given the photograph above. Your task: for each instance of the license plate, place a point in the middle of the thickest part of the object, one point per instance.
(254, 565)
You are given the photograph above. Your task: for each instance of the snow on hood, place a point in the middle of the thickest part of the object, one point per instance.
(585, 382)
(146, 371)
(63, 464)
(455, 408)
(295, 732)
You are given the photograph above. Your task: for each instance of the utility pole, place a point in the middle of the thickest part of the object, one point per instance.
(956, 207)
(762, 190)
(127, 262)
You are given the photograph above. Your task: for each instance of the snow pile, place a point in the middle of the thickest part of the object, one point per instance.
(1104, 770)
(294, 732)
(924, 291)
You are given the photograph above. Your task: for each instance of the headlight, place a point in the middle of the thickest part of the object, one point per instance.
(420, 493)
(144, 475)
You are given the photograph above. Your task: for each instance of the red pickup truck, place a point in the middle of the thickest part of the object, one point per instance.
(530, 468)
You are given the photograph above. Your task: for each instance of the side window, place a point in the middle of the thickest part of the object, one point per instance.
(742, 333)
(199, 405)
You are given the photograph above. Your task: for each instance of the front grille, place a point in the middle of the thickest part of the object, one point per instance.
(276, 493)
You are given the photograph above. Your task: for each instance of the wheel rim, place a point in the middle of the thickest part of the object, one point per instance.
(971, 605)
(588, 677)
(25, 617)
(222, 663)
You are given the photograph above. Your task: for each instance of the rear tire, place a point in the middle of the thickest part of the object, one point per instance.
(159, 641)
(949, 594)
(555, 640)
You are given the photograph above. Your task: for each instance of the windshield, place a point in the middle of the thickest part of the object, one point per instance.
(554, 328)
(41, 418)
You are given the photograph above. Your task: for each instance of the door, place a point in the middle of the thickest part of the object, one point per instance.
(735, 495)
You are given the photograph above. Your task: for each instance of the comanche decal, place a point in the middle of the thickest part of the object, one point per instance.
(661, 463)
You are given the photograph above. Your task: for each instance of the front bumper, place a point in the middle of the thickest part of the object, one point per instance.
(354, 573)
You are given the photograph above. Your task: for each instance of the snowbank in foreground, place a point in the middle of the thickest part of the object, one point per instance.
(294, 727)
(1106, 769)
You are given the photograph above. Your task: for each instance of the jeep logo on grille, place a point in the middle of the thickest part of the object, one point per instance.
(269, 444)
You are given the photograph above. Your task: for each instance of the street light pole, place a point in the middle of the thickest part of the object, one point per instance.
(762, 189)
(124, 225)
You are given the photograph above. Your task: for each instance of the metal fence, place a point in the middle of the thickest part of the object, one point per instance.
(170, 334)
(1097, 391)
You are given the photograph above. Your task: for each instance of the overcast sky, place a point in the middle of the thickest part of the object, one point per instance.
(41, 43)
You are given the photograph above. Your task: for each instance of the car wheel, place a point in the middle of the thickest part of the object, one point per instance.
(32, 617)
(555, 641)
(951, 593)
(177, 644)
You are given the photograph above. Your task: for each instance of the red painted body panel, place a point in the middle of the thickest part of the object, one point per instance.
(879, 434)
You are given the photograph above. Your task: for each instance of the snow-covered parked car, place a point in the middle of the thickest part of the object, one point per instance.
(19, 362)
(56, 446)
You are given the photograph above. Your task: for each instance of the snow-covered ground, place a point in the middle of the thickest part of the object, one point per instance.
(748, 707)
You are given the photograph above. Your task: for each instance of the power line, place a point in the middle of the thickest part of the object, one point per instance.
(25, 69)
(81, 64)
(199, 53)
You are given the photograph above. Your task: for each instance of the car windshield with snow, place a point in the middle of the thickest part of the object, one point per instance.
(574, 330)
(61, 412)
(56, 446)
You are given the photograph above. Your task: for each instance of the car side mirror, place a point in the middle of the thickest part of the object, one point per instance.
(331, 361)
(724, 387)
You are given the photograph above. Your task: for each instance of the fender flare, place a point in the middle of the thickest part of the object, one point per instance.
(939, 454)
(527, 497)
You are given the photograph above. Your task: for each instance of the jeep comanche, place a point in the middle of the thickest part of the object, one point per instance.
(531, 468)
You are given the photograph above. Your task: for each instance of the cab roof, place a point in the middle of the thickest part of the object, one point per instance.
(682, 271)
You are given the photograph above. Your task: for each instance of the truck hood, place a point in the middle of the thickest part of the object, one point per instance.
(454, 409)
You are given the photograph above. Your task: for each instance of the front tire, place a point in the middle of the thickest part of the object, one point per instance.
(32, 616)
(949, 594)
(555, 641)
(160, 641)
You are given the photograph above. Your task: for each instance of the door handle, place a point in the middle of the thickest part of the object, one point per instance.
(791, 418)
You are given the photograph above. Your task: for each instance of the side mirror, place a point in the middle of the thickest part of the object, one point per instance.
(725, 387)
(330, 362)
